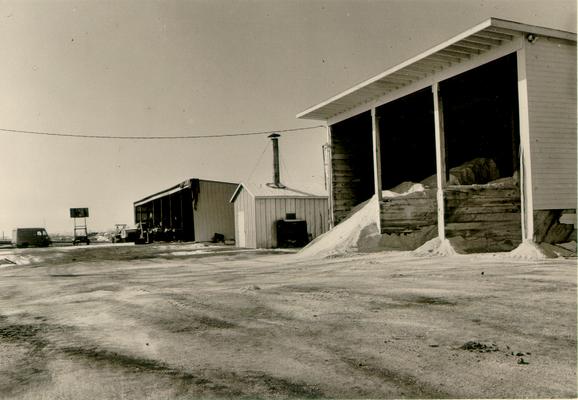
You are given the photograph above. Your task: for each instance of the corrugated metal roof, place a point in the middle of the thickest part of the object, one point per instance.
(472, 43)
(260, 190)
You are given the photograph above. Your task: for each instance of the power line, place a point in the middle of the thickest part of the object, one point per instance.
(286, 170)
(257, 163)
(72, 135)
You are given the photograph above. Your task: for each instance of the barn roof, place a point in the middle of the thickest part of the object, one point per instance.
(260, 190)
(474, 43)
(173, 189)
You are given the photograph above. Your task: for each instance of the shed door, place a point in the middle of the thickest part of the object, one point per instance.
(241, 229)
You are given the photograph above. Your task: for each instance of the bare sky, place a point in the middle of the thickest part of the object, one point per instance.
(166, 68)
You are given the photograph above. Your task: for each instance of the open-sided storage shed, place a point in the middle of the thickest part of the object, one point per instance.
(485, 121)
(258, 207)
(193, 210)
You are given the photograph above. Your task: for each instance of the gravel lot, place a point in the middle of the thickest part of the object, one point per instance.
(188, 321)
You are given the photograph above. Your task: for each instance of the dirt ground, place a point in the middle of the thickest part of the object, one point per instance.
(187, 321)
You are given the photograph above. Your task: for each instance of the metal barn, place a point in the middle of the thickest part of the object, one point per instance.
(485, 122)
(194, 210)
(259, 208)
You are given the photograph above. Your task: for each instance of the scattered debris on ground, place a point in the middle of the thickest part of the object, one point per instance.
(479, 347)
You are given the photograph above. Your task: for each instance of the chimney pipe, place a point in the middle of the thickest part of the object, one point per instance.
(276, 179)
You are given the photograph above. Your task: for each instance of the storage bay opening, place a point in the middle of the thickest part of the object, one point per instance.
(407, 139)
(352, 164)
(481, 117)
(481, 139)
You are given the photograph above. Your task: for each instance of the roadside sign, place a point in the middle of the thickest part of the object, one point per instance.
(79, 213)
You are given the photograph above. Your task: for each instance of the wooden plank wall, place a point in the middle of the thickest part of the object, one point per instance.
(551, 77)
(246, 203)
(408, 213)
(478, 218)
(269, 210)
(214, 213)
(352, 165)
(487, 218)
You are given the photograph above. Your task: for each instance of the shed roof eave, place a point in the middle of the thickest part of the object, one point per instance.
(256, 193)
(324, 110)
(176, 188)
(311, 110)
(162, 193)
(538, 30)
(238, 191)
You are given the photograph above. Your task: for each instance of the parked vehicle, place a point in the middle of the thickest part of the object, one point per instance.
(128, 234)
(80, 238)
(30, 237)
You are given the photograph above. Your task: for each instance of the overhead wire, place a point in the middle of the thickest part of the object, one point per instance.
(257, 163)
(116, 137)
(286, 170)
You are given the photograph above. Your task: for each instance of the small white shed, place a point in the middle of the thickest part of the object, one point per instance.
(258, 207)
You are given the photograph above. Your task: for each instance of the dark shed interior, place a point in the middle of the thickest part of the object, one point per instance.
(407, 139)
(480, 110)
(169, 217)
(352, 163)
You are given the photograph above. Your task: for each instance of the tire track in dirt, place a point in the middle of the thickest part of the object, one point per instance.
(404, 384)
(43, 339)
(250, 382)
(31, 369)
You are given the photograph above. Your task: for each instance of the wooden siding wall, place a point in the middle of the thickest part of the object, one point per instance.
(487, 218)
(478, 218)
(214, 213)
(410, 213)
(551, 79)
(352, 165)
(246, 203)
(270, 210)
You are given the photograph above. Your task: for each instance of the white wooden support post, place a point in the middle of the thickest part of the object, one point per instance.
(329, 178)
(525, 159)
(440, 159)
(376, 163)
